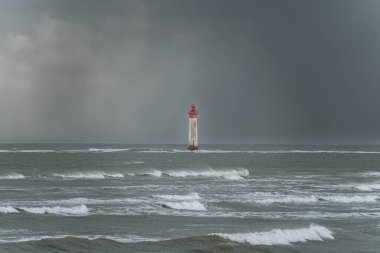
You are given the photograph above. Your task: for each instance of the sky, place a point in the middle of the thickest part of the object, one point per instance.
(259, 71)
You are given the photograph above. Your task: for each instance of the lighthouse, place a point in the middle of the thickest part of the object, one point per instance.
(193, 128)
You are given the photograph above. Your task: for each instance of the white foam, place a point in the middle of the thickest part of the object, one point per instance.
(8, 209)
(82, 175)
(108, 150)
(134, 162)
(89, 175)
(231, 174)
(13, 176)
(122, 239)
(119, 175)
(74, 210)
(13, 231)
(191, 196)
(370, 174)
(281, 236)
(86, 201)
(36, 151)
(192, 205)
(367, 187)
(155, 173)
(351, 199)
(27, 151)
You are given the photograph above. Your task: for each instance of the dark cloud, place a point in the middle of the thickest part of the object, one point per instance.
(260, 71)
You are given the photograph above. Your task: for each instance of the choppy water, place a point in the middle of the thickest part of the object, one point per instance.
(223, 198)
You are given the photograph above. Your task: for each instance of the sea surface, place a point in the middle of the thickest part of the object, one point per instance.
(162, 198)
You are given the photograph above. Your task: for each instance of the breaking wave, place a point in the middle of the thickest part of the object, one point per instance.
(370, 174)
(13, 176)
(153, 173)
(74, 210)
(367, 187)
(281, 236)
(182, 202)
(89, 175)
(8, 209)
(232, 174)
(191, 205)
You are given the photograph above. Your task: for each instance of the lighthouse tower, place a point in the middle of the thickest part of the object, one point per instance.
(193, 128)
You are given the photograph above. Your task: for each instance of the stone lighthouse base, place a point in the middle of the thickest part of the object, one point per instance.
(192, 148)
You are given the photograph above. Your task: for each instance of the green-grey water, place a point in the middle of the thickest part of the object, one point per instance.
(162, 198)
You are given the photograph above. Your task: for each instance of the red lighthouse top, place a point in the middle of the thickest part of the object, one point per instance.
(193, 113)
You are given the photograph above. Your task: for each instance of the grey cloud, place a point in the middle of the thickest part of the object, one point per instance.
(126, 71)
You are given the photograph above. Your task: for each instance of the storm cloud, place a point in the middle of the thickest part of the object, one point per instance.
(272, 71)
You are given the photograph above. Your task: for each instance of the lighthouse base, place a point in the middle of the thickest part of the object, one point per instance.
(192, 148)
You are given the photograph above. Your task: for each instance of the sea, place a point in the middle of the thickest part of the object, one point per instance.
(162, 198)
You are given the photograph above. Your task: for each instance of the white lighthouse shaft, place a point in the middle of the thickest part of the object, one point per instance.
(193, 134)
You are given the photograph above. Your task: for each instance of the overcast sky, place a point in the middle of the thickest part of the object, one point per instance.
(268, 71)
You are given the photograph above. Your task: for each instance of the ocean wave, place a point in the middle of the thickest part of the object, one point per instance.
(332, 215)
(370, 174)
(281, 236)
(182, 202)
(74, 210)
(27, 151)
(94, 150)
(191, 196)
(121, 239)
(231, 174)
(351, 199)
(191, 205)
(366, 187)
(287, 199)
(88, 201)
(283, 199)
(8, 209)
(13, 176)
(134, 162)
(155, 173)
(108, 150)
(89, 175)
